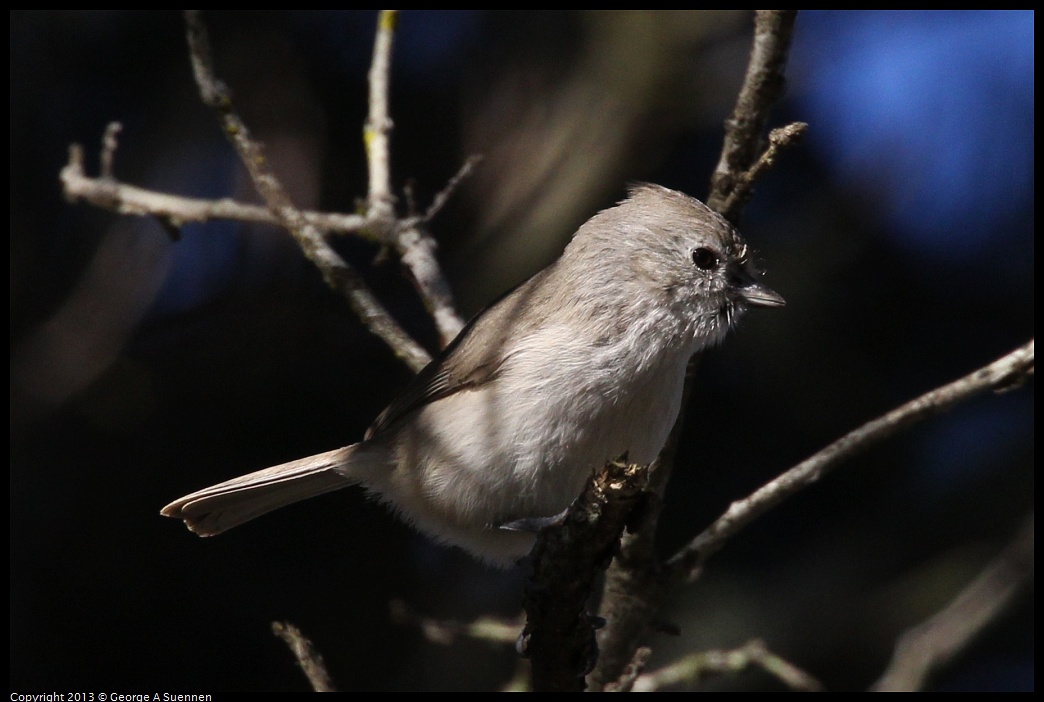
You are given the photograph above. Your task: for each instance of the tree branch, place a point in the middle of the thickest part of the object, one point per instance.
(415, 246)
(762, 87)
(695, 666)
(493, 630)
(378, 123)
(559, 637)
(925, 648)
(310, 660)
(337, 272)
(780, 139)
(1005, 373)
(122, 198)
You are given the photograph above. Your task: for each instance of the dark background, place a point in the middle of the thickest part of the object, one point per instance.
(900, 232)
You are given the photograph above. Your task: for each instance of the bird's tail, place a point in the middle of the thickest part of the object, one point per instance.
(214, 509)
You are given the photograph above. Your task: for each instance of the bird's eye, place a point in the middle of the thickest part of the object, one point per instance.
(705, 259)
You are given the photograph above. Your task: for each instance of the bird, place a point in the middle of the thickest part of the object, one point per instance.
(580, 364)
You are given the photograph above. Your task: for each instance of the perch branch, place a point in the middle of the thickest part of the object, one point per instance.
(559, 637)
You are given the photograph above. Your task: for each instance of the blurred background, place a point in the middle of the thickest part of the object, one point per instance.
(900, 232)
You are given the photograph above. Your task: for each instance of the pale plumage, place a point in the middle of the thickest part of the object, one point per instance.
(581, 363)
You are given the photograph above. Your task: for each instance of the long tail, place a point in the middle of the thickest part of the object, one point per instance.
(214, 509)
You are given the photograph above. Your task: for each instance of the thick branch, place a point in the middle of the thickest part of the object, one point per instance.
(567, 559)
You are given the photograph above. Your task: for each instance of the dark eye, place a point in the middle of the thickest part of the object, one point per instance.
(705, 259)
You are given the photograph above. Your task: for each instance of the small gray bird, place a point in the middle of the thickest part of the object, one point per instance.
(582, 363)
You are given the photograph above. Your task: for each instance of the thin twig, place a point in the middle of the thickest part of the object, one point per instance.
(1006, 372)
(780, 139)
(695, 666)
(440, 200)
(443, 631)
(632, 672)
(109, 143)
(126, 199)
(925, 648)
(415, 246)
(417, 250)
(308, 658)
(379, 123)
(762, 87)
(337, 272)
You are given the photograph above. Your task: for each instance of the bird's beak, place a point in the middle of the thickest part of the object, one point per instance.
(747, 288)
(758, 295)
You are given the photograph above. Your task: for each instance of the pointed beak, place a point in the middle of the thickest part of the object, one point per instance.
(750, 291)
(758, 295)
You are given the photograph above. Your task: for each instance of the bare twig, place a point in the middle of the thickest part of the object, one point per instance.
(415, 246)
(379, 123)
(337, 272)
(925, 648)
(1006, 372)
(762, 87)
(440, 200)
(693, 667)
(780, 139)
(126, 199)
(308, 658)
(417, 250)
(632, 672)
(443, 631)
